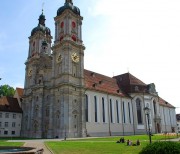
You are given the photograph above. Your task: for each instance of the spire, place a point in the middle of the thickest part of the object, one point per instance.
(42, 7)
(69, 1)
(42, 17)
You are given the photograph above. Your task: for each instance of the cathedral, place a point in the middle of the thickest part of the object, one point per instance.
(62, 99)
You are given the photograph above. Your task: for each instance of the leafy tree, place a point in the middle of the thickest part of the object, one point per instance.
(6, 90)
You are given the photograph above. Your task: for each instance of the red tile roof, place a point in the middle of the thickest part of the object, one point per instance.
(129, 79)
(118, 85)
(99, 82)
(162, 102)
(128, 82)
(9, 104)
(20, 92)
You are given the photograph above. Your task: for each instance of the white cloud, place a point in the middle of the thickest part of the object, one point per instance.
(141, 35)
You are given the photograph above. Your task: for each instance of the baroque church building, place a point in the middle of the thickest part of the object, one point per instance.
(62, 99)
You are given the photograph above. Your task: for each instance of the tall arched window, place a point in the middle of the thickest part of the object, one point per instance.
(95, 108)
(117, 111)
(124, 113)
(154, 106)
(129, 112)
(111, 116)
(86, 107)
(139, 111)
(103, 110)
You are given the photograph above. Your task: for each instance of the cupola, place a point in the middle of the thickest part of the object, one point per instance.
(68, 5)
(41, 26)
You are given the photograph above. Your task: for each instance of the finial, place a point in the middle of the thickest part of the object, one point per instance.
(69, 1)
(128, 69)
(42, 7)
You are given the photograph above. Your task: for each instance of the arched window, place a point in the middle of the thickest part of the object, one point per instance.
(124, 114)
(62, 24)
(139, 111)
(117, 111)
(129, 112)
(103, 110)
(95, 108)
(73, 24)
(111, 116)
(86, 107)
(154, 106)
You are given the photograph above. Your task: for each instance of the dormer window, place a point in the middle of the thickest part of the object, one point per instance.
(94, 85)
(136, 88)
(93, 74)
(101, 82)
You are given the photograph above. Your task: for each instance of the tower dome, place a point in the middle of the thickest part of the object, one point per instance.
(68, 5)
(41, 26)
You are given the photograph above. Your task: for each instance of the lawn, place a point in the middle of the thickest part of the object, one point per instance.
(5, 143)
(106, 145)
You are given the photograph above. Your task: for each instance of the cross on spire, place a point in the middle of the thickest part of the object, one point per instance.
(42, 7)
(69, 1)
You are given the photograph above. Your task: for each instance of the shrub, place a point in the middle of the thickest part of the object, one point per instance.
(161, 148)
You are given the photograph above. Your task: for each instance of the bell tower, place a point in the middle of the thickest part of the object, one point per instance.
(37, 79)
(68, 71)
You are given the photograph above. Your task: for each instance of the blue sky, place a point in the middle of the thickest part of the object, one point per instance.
(142, 37)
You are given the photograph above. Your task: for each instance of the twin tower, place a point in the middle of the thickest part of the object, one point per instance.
(53, 102)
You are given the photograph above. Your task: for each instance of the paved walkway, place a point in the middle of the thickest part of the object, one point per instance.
(38, 144)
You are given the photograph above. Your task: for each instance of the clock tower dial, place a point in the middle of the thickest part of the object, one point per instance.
(75, 57)
(30, 72)
(59, 58)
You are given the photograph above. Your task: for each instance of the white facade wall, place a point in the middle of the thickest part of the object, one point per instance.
(10, 124)
(108, 127)
(127, 115)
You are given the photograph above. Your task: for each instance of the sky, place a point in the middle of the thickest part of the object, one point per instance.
(137, 36)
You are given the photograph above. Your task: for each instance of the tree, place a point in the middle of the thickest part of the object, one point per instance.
(6, 90)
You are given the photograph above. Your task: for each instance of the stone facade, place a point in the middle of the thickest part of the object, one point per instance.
(62, 99)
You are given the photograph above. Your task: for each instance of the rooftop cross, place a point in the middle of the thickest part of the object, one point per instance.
(69, 1)
(42, 7)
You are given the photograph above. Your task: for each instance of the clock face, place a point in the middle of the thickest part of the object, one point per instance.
(30, 72)
(59, 58)
(75, 57)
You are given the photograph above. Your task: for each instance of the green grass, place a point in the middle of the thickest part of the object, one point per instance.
(4, 143)
(106, 145)
(91, 147)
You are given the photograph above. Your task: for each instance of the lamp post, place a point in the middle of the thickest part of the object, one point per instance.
(147, 113)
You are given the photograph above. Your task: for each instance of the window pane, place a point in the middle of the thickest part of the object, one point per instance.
(86, 108)
(95, 108)
(111, 111)
(117, 111)
(139, 113)
(103, 110)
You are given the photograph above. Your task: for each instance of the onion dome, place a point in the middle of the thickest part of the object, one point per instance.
(41, 26)
(68, 5)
